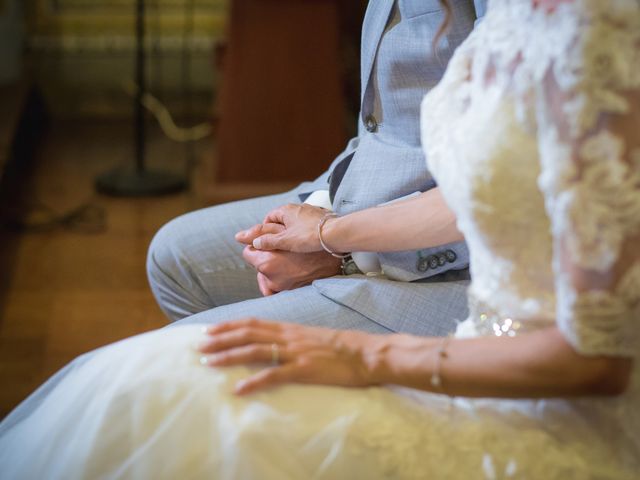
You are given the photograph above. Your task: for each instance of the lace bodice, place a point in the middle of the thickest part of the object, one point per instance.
(539, 156)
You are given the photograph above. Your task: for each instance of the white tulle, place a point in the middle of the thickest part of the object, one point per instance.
(146, 408)
(528, 135)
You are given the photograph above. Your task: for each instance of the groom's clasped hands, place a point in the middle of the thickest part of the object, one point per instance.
(285, 250)
(292, 227)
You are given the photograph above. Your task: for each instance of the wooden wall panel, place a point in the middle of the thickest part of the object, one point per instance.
(281, 105)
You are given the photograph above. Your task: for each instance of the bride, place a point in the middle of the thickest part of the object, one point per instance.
(533, 137)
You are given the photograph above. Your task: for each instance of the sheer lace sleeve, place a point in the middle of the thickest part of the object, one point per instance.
(589, 143)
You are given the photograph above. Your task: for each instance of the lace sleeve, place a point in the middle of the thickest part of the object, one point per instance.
(589, 141)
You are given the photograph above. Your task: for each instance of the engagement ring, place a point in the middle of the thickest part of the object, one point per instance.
(275, 354)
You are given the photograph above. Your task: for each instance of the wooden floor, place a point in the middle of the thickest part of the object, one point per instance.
(66, 292)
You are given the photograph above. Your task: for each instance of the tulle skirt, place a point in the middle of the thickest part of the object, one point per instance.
(146, 408)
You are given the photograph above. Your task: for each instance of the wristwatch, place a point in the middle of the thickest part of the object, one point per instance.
(349, 266)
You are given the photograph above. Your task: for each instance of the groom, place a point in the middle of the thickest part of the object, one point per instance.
(200, 274)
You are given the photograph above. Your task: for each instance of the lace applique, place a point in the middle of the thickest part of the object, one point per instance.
(597, 321)
(599, 210)
(590, 175)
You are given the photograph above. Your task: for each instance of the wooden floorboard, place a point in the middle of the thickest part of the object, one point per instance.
(69, 291)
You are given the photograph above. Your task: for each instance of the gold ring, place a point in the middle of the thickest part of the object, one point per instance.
(275, 354)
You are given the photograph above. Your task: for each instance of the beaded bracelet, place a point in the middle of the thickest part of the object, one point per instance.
(321, 223)
(441, 353)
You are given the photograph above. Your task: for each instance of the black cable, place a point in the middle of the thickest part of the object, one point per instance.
(185, 79)
(140, 137)
(156, 41)
(89, 217)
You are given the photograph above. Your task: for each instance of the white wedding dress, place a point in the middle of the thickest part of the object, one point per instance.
(534, 138)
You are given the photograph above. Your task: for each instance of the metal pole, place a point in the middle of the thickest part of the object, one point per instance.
(136, 180)
(139, 124)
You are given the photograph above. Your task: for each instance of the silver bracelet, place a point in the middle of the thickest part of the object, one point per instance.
(441, 353)
(321, 223)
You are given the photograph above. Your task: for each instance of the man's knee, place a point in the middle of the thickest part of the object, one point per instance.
(194, 263)
(171, 268)
(165, 252)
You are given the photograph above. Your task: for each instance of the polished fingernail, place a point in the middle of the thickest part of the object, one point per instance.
(204, 361)
(199, 346)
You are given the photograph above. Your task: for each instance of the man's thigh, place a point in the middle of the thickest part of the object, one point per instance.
(195, 263)
(304, 305)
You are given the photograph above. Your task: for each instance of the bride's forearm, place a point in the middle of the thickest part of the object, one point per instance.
(538, 364)
(420, 222)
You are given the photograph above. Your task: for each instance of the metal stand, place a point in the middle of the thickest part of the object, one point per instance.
(139, 181)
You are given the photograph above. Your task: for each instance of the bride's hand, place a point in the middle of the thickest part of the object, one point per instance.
(296, 353)
(300, 233)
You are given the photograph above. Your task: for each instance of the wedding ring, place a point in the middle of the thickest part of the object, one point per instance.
(275, 354)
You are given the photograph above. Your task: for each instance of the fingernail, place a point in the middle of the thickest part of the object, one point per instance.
(204, 361)
(204, 329)
(240, 386)
(257, 243)
(199, 346)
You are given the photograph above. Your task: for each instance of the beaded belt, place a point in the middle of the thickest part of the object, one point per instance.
(489, 322)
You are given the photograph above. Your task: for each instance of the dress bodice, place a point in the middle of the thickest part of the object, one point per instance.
(532, 136)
